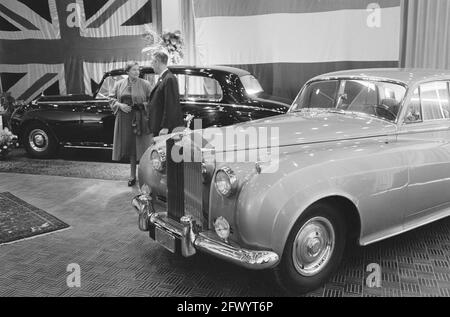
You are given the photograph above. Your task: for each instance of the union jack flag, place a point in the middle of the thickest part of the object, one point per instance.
(58, 45)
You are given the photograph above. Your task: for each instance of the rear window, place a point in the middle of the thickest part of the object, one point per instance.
(251, 85)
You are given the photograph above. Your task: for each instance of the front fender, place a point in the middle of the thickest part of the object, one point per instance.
(269, 205)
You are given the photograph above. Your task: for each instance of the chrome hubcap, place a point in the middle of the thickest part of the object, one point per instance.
(38, 140)
(313, 246)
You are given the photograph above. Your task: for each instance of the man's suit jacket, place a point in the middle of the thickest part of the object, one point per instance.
(164, 106)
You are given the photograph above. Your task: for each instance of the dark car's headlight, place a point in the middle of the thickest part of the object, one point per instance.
(158, 159)
(226, 182)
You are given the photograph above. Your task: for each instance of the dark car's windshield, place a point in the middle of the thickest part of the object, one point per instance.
(377, 98)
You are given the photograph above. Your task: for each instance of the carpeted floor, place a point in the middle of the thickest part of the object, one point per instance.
(20, 220)
(93, 164)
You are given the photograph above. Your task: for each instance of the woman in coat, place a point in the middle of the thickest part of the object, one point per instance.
(129, 101)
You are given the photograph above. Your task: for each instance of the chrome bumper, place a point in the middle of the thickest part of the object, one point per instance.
(189, 241)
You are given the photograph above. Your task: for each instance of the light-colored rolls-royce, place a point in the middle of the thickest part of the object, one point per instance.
(362, 155)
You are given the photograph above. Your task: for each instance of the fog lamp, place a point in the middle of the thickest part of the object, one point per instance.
(222, 228)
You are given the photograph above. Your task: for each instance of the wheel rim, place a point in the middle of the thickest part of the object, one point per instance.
(313, 246)
(38, 140)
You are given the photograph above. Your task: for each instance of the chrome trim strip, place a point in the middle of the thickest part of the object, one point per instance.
(215, 104)
(88, 147)
(64, 102)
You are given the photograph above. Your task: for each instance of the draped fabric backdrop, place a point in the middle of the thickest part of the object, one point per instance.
(286, 42)
(64, 46)
(426, 42)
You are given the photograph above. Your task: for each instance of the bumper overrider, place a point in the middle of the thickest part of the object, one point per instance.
(181, 237)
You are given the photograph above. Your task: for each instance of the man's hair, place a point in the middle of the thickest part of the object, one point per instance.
(161, 56)
(130, 65)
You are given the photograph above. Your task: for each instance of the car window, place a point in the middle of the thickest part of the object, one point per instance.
(377, 98)
(434, 99)
(320, 94)
(251, 85)
(199, 88)
(108, 85)
(414, 111)
(356, 94)
(429, 102)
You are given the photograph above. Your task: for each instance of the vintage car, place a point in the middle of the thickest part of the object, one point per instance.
(220, 96)
(362, 155)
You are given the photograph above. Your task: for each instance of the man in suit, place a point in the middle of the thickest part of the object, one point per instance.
(164, 107)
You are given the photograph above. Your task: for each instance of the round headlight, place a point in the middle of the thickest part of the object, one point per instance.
(158, 160)
(222, 228)
(226, 182)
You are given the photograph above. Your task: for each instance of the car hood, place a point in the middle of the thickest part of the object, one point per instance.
(299, 128)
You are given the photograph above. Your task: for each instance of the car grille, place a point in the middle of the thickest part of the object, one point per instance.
(186, 192)
(175, 184)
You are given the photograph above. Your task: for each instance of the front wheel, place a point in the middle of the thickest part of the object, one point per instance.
(39, 141)
(313, 250)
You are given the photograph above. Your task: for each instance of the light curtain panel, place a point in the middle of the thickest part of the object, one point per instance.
(286, 42)
(427, 34)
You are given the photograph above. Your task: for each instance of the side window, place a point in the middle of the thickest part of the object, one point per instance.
(199, 88)
(435, 101)
(414, 111)
(108, 85)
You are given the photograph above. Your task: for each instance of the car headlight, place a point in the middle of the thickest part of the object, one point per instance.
(222, 228)
(158, 158)
(226, 182)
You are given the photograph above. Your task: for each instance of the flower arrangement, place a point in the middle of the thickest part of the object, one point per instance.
(170, 42)
(7, 142)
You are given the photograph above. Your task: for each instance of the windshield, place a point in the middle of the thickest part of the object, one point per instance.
(377, 98)
(251, 85)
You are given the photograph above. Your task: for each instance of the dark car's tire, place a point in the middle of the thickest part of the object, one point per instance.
(39, 141)
(313, 250)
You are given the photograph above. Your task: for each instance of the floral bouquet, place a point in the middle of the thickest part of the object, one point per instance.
(170, 42)
(7, 142)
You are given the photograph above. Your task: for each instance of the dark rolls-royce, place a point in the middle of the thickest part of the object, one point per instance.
(218, 95)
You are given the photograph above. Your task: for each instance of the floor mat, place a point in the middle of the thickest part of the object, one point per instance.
(20, 220)
(79, 164)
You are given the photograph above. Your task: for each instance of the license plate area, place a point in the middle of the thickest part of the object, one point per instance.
(165, 239)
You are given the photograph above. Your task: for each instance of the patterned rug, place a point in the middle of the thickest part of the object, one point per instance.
(80, 164)
(20, 220)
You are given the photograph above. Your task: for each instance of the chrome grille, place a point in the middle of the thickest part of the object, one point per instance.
(187, 194)
(175, 184)
(193, 191)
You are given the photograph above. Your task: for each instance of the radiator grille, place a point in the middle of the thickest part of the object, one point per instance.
(193, 191)
(175, 184)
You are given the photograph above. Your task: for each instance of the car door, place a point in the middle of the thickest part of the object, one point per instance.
(97, 119)
(201, 97)
(62, 115)
(426, 133)
(97, 123)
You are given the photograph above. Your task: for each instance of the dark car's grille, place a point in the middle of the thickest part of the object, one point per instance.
(186, 192)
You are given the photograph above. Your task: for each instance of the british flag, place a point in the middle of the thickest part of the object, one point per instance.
(58, 46)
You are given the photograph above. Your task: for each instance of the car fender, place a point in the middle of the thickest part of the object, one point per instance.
(279, 206)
